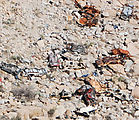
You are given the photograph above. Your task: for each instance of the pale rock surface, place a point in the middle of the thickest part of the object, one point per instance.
(11, 115)
(30, 112)
(137, 114)
(135, 92)
(118, 68)
(31, 29)
(134, 50)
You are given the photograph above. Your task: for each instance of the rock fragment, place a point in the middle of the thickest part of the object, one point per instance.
(126, 12)
(53, 60)
(135, 92)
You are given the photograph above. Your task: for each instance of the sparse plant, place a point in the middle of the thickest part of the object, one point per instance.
(25, 91)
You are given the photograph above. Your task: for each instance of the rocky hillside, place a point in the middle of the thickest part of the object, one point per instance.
(69, 59)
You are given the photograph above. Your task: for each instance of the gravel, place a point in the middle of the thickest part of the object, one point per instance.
(57, 55)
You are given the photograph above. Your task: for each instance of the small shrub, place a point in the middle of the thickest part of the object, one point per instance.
(26, 92)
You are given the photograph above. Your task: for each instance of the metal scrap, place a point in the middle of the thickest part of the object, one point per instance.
(122, 53)
(80, 49)
(70, 64)
(11, 69)
(25, 72)
(127, 11)
(88, 15)
(82, 90)
(89, 96)
(85, 111)
(29, 72)
(53, 60)
(109, 60)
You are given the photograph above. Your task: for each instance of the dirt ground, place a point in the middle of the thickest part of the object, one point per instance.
(56, 55)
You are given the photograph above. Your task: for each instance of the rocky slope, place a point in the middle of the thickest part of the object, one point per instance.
(55, 56)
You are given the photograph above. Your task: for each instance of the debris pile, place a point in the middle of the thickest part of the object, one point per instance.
(25, 72)
(50, 68)
(108, 60)
(88, 94)
(88, 15)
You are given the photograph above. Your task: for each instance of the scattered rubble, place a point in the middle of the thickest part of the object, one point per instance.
(69, 59)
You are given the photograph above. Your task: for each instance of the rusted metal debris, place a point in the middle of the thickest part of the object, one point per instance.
(119, 58)
(65, 94)
(109, 60)
(89, 15)
(122, 53)
(88, 94)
